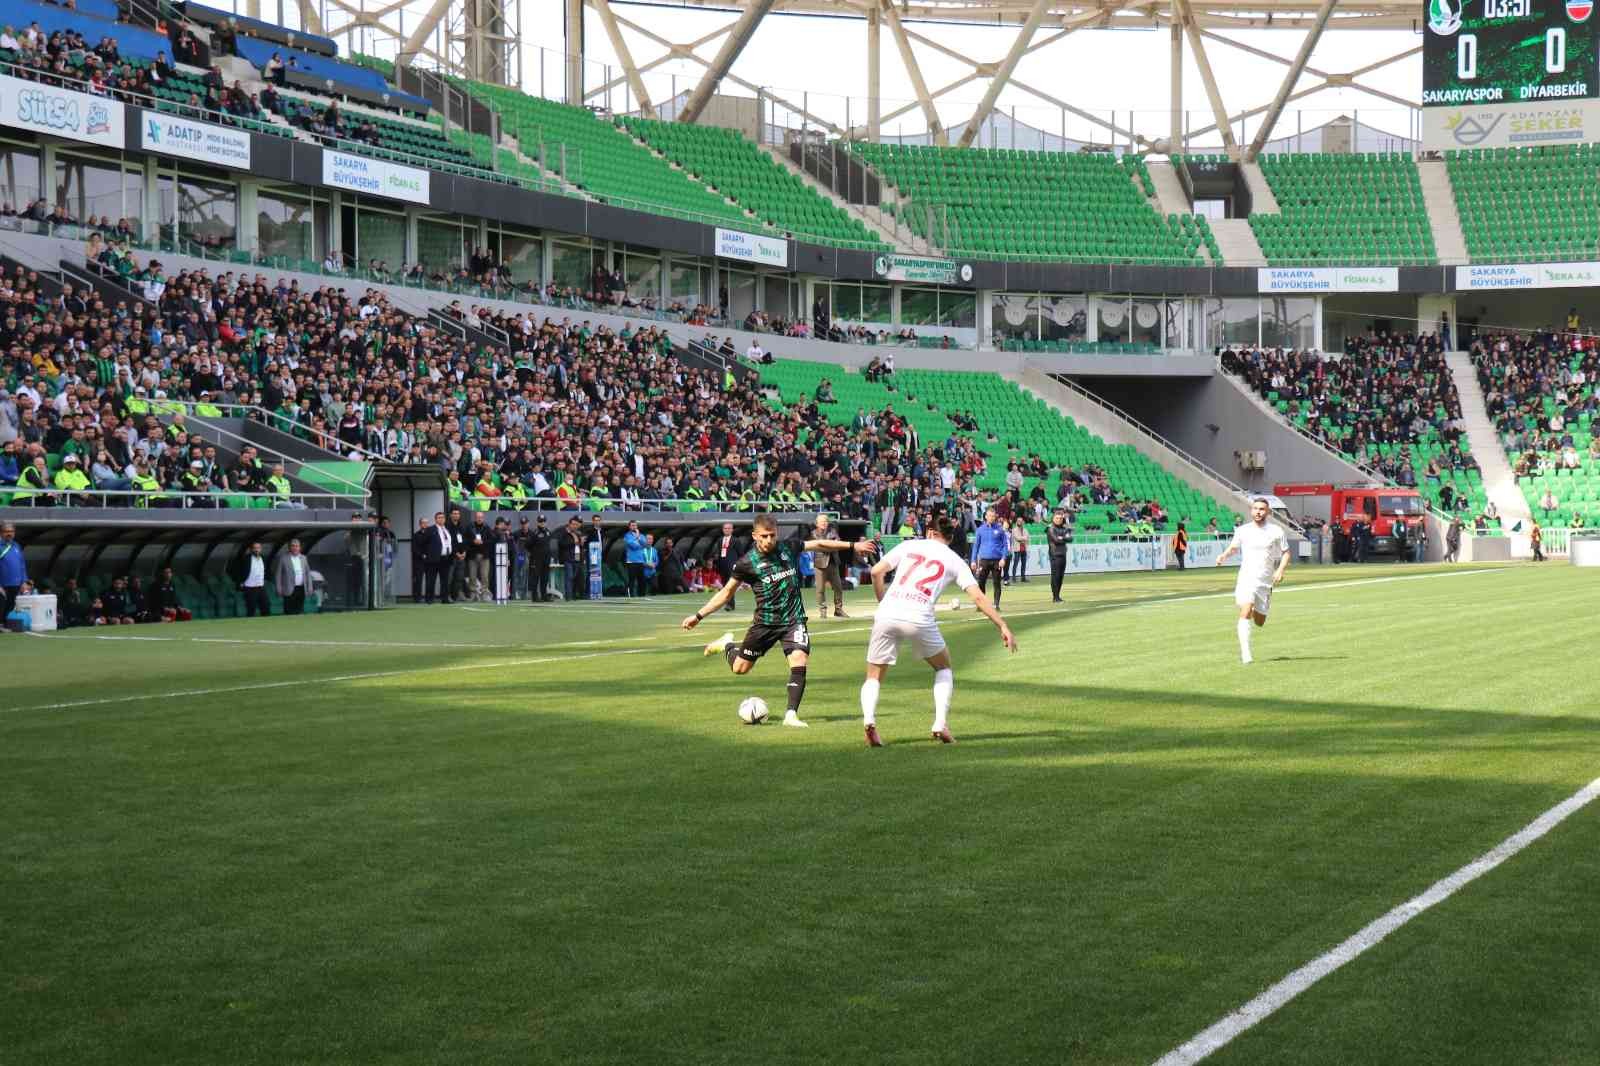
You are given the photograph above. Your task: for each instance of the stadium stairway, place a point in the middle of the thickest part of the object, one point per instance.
(1169, 190)
(1498, 482)
(1117, 427)
(1347, 470)
(1237, 242)
(1448, 238)
(1262, 200)
(903, 240)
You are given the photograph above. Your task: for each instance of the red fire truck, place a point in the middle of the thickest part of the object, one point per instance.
(1343, 506)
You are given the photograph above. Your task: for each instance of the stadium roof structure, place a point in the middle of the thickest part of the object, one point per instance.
(1039, 23)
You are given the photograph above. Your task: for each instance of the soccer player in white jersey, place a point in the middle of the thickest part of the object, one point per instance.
(922, 569)
(1264, 556)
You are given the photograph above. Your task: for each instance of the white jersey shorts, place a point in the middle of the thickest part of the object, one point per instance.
(889, 633)
(1253, 594)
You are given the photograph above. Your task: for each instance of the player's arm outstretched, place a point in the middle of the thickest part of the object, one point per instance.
(985, 605)
(860, 547)
(722, 596)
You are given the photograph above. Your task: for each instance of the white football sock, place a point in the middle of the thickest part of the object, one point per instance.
(944, 686)
(869, 700)
(1244, 637)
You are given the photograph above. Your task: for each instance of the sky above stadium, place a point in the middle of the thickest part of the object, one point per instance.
(820, 63)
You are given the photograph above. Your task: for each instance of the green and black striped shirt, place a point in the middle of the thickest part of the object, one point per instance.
(775, 580)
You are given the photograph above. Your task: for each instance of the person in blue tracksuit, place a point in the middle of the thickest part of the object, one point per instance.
(13, 569)
(635, 547)
(990, 548)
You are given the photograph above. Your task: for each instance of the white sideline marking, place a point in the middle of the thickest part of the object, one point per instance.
(1219, 1035)
(262, 686)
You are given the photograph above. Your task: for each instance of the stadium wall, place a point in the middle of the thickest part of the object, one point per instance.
(1214, 420)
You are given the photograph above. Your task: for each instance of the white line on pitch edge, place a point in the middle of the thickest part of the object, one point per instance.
(1217, 1036)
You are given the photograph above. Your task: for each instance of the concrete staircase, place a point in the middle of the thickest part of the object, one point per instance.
(1498, 483)
(1237, 242)
(1169, 190)
(1440, 199)
(906, 242)
(1261, 198)
(1116, 427)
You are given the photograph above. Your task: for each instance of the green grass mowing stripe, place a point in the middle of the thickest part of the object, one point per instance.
(1215, 1037)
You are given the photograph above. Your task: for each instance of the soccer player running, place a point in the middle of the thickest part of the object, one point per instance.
(772, 570)
(922, 569)
(1264, 556)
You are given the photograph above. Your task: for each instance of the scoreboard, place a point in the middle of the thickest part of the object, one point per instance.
(1509, 52)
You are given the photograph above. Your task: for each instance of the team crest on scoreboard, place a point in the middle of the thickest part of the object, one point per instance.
(1580, 10)
(1444, 19)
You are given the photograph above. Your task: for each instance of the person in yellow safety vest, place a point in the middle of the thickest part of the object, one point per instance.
(278, 485)
(599, 496)
(568, 495)
(453, 487)
(72, 477)
(746, 498)
(33, 486)
(514, 497)
(694, 494)
(147, 483)
(137, 405)
(486, 492)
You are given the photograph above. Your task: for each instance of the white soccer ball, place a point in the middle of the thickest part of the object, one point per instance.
(753, 711)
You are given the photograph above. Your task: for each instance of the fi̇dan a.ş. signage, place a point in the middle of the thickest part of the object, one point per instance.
(768, 251)
(374, 177)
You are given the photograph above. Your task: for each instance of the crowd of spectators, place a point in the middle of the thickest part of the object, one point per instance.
(1385, 389)
(1538, 387)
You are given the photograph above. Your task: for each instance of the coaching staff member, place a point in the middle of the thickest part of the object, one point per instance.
(992, 547)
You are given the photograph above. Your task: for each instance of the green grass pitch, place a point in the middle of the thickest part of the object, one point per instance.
(540, 835)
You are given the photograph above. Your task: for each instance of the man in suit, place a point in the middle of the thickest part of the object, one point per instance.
(829, 572)
(420, 542)
(571, 547)
(438, 551)
(726, 551)
(293, 579)
(456, 584)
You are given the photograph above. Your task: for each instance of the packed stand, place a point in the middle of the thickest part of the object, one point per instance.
(1539, 391)
(1388, 401)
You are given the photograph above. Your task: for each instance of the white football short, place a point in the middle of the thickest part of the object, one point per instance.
(1253, 595)
(889, 633)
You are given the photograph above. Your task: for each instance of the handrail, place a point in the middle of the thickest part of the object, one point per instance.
(1116, 412)
(142, 498)
(270, 419)
(1371, 471)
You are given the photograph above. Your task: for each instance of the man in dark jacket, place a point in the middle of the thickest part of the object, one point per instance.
(726, 551)
(1058, 535)
(571, 549)
(537, 547)
(456, 585)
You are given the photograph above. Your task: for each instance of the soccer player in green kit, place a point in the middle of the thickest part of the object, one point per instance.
(772, 570)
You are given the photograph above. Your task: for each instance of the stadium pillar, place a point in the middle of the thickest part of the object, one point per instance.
(1313, 35)
(248, 238)
(152, 189)
(738, 37)
(914, 72)
(574, 28)
(874, 106)
(1175, 142)
(1208, 79)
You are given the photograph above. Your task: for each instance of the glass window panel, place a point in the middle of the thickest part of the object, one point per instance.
(1113, 315)
(286, 227)
(845, 303)
(1174, 335)
(1288, 321)
(919, 307)
(957, 308)
(381, 237)
(684, 279)
(877, 304)
(523, 255)
(438, 245)
(87, 187)
(208, 213)
(1145, 326)
(569, 265)
(19, 176)
(1064, 318)
(1232, 322)
(1013, 316)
